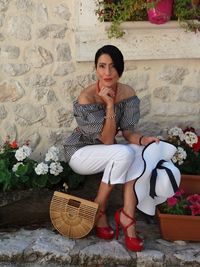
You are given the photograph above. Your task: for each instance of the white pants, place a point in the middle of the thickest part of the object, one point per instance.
(115, 161)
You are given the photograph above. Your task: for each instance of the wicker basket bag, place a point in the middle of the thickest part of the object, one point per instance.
(72, 216)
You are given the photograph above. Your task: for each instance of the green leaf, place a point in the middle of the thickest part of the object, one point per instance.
(5, 177)
(22, 170)
(41, 180)
(54, 179)
(3, 164)
(75, 180)
(23, 178)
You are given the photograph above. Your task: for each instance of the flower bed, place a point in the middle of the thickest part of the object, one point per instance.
(19, 171)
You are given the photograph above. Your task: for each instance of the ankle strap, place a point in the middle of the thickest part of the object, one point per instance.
(133, 222)
(122, 210)
(101, 213)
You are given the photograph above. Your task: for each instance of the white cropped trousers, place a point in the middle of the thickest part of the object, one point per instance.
(115, 161)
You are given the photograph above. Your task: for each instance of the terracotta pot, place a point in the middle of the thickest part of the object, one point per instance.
(190, 183)
(179, 227)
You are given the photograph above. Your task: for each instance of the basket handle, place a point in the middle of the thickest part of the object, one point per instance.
(74, 203)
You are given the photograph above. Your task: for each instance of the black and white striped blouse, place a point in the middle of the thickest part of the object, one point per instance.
(90, 120)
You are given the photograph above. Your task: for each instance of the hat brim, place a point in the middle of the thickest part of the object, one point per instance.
(149, 159)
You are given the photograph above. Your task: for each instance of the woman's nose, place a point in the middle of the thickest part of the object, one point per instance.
(108, 70)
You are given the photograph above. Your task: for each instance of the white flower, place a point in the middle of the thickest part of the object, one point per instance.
(41, 168)
(190, 138)
(55, 168)
(15, 167)
(176, 131)
(52, 154)
(179, 156)
(65, 185)
(23, 152)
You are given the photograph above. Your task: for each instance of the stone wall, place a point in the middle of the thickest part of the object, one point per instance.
(40, 77)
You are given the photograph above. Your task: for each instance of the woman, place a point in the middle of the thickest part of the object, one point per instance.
(101, 110)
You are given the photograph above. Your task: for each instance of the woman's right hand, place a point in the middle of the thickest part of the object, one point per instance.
(107, 95)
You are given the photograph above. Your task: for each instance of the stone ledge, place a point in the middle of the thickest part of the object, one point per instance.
(31, 207)
(142, 40)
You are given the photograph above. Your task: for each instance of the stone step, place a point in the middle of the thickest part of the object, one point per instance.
(45, 247)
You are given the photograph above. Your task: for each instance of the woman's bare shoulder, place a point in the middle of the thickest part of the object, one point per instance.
(87, 95)
(125, 91)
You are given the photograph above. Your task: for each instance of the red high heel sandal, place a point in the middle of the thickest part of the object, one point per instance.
(132, 243)
(104, 232)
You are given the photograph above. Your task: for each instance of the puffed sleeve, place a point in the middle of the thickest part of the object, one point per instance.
(130, 113)
(90, 119)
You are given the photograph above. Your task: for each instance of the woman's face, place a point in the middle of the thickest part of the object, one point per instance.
(106, 72)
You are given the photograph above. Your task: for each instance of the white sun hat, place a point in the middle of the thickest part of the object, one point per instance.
(157, 177)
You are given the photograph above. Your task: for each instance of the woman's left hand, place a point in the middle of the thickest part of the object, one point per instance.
(148, 139)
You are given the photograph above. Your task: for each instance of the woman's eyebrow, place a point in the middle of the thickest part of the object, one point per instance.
(103, 63)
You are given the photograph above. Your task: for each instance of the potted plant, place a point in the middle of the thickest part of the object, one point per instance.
(187, 12)
(187, 157)
(160, 12)
(179, 217)
(118, 11)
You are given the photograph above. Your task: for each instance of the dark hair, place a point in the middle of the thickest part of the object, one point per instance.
(115, 54)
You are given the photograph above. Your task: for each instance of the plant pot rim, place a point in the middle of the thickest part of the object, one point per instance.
(165, 215)
(191, 175)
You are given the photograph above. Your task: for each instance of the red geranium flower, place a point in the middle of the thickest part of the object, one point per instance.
(14, 144)
(194, 199)
(196, 147)
(195, 209)
(189, 129)
(179, 193)
(171, 201)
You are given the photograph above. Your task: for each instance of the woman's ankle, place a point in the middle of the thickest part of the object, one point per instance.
(129, 222)
(102, 219)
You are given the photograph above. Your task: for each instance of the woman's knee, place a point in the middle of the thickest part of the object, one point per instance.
(125, 153)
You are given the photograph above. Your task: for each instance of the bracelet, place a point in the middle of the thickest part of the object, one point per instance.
(110, 117)
(140, 140)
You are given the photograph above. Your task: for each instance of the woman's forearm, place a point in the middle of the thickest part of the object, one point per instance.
(132, 138)
(109, 129)
(139, 139)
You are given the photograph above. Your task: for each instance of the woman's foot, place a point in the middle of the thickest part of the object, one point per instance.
(103, 229)
(127, 224)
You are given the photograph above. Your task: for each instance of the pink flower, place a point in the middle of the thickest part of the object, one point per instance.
(171, 201)
(179, 193)
(195, 209)
(194, 199)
